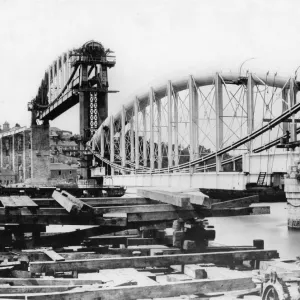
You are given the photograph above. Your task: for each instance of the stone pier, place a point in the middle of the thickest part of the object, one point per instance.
(24, 152)
(292, 191)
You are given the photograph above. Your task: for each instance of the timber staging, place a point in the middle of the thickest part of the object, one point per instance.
(156, 245)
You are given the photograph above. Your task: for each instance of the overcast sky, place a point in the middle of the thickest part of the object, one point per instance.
(153, 41)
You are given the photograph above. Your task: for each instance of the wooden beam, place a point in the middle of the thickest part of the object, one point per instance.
(72, 204)
(45, 282)
(60, 216)
(158, 216)
(149, 291)
(241, 202)
(166, 197)
(240, 211)
(151, 261)
(100, 201)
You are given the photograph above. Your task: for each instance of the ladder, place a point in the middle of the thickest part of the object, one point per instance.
(261, 178)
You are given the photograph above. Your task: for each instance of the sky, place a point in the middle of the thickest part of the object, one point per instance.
(154, 41)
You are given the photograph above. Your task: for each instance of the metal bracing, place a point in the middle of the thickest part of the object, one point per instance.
(112, 142)
(219, 120)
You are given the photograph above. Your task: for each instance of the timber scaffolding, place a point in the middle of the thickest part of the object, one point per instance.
(130, 253)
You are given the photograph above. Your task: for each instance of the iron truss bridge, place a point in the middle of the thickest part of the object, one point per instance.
(199, 122)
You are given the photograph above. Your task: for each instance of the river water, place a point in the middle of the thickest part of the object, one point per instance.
(272, 228)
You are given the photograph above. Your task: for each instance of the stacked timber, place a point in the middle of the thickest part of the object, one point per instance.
(47, 274)
(207, 206)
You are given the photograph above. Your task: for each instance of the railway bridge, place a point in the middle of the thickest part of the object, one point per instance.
(213, 130)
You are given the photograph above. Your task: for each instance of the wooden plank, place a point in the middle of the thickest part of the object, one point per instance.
(35, 289)
(17, 201)
(47, 282)
(241, 202)
(53, 255)
(162, 290)
(151, 261)
(166, 197)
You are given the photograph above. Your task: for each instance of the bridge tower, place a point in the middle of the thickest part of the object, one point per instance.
(77, 76)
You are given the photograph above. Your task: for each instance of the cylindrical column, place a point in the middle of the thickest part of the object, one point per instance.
(176, 152)
(132, 137)
(102, 142)
(293, 92)
(151, 104)
(112, 144)
(219, 120)
(144, 138)
(58, 86)
(250, 108)
(159, 152)
(122, 137)
(49, 85)
(170, 124)
(284, 95)
(136, 133)
(193, 119)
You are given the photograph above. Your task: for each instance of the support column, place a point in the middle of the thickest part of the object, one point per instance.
(13, 153)
(57, 79)
(24, 155)
(40, 152)
(62, 72)
(170, 124)
(132, 137)
(176, 150)
(49, 85)
(136, 133)
(145, 138)
(102, 150)
(219, 120)
(151, 104)
(1, 149)
(285, 105)
(193, 119)
(122, 138)
(112, 143)
(250, 109)
(293, 92)
(159, 150)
